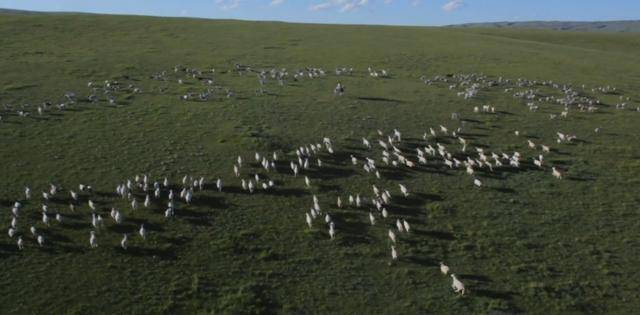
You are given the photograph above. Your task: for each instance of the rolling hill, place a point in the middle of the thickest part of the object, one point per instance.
(107, 101)
(602, 26)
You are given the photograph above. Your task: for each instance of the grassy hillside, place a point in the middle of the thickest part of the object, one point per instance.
(523, 243)
(603, 26)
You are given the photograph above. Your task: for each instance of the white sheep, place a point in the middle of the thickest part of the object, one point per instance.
(556, 173)
(457, 285)
(93, 240)
(309, 220)
(124, 241)
(444, 268)
(392, 236)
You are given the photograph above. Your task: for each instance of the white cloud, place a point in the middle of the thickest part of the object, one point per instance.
(452, 5)
(228, 4)
(415, 3)
(387, 1)
(276, 2)
(321, 6)
(341, 5)
(353, 5)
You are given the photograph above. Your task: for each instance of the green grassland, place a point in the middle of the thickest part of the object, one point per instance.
(524, 243)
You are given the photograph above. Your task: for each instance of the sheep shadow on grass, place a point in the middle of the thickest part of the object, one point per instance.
(422, 261)
(395, 173)
(211, 202)
(351, 229)
(505, 190)
(378, 99)
(137, 251)
(328, 172)
(441, 235)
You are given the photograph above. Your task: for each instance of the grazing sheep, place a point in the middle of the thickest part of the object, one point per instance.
(124, 241)
(444, 268)
(143, 232)
(407, 228)
(404, 190)
(309, 220)
(457, 285)
(332, 231)
(392, 236)
(93, 240)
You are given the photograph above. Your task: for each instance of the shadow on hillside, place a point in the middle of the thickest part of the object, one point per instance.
(328, 172)
(70, 248)
(580, 179)
(288, 192)
(505, 190)
(324, 188)
(394, 173)
(163, 254)
(472, 136)
(75, 225)
(105, 194)
(475, 285)
(193, 217)
(433, 169)
(422, 261)
(122, 228)
(475, 278)
(409, 212)
(5, 203)
(494, 294)
(416, 199)
(57, 237)
(378, 99)
(210, 202)
(441, 235)
(350, 228)
(149, 226)
(8, 249)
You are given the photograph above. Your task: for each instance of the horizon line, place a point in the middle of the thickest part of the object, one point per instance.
(18, 11)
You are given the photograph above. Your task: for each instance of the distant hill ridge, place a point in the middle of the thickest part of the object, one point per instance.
(597, 26)
(26, 12)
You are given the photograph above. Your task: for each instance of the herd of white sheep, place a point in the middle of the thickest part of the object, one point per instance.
(442, 146)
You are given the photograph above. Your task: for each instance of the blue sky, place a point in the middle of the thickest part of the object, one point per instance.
(393, 12)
